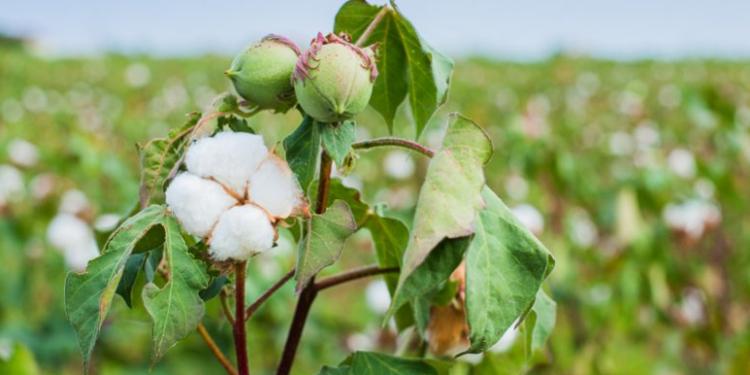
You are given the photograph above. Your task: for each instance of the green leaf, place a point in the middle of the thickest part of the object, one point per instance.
(390, 236)
(545, 314)
(505, 267)
(324, 240)
(132, 267)
(342, 370)
(176, 308)
(406, 64)
(88, 295)
(352, 196)
(159, 157)
(449, 197)
(370, 363)
(302, 149)
(214, 288)
(337, 139)
(431, 274)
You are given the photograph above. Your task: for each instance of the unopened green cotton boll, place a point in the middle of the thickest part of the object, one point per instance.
(333, 79)
(262, 73)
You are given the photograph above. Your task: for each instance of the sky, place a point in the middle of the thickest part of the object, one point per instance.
(519, 30)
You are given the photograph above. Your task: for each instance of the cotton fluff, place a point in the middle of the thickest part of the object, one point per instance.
(274, 187)
(530, 217)
(73, 237)
(23, 153)
(74, 202)
(241, 232)
(11, 184)
(197, 203)
(228, 157)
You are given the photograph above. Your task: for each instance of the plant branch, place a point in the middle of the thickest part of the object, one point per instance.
(267, 294)
(353, 275)
(308, 294)
(215, 350)
(225, 306)
(240, 341)
(371, 27)
(396, 142)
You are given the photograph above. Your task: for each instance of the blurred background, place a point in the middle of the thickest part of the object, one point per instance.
(622, 137)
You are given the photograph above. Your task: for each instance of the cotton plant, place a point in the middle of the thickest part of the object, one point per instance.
(214, 197)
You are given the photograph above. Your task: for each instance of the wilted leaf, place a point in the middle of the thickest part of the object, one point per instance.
(88, 295)
(449, 197)
(337, 139)
(302, 148)
(505, 267)
(406, 64)
(323, 241)
(176, 308)
(158, 157)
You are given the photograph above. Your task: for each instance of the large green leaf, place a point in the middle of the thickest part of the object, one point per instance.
(129, 275)
(505, 267)
(302, 149)
(431, 274)
(407, 65)
(323, 241)
(449, 198)
(371, 363)
(337, 140)
(159, 157)
(88, 295)
(544, 313)
(176, 308)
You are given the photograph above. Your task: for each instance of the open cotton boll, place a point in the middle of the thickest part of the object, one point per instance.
(228, 157)
(11, 183)
(74, 238)
(274, 187)
(23, 153)
(197, 203)
(73, 202)
(241, 232)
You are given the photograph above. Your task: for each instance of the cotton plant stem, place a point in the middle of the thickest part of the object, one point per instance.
(324, 182)
(215, 350)
(396, 142)
(240, 341)
(267, 294)
(225, 307)
(353, 275)
(372, 26)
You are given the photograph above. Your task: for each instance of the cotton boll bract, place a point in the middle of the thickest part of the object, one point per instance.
(228, 157)
(197, 203)
(241, 232)
(274, 187)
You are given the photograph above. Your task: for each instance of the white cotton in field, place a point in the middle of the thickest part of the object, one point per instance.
(73, 201)
(399, 165)
(530, 217)
(506, 340)
(682, 162)
(74, 238)
(197, 203)
(377, 296)
(241, 232)
(23, 153)
(11, 184)
(274, 187)
(106, 222)
(229, 157)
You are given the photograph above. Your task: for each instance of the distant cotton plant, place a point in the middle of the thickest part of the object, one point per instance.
(11, 184)
(377, 296)
(233, 194)
(530, 217)
(74, 238)
(23, 153)
(137, 75)
(398, 165)
(692, 218)
(74, 202)
(682, 162)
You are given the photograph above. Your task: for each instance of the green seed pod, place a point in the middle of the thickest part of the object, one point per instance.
(262, 73)
(333, 80)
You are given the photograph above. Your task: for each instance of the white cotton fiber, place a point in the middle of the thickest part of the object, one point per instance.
(11, 184)
(74, 238)
(240, 233)
(274, 187)
(73, 202)
(197, 203)
(228, 157)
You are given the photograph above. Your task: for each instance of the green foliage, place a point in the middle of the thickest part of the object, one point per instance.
(176, 308)
(449, 197)
(369, 363)
(407, 65)
(505, 267)
(302, 151)
(88, 295)
(337, 139)
(323, 241)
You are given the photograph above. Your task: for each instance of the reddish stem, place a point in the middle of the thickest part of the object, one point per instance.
(240, 341)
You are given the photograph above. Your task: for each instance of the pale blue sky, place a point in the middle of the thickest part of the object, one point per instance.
(509, 29)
